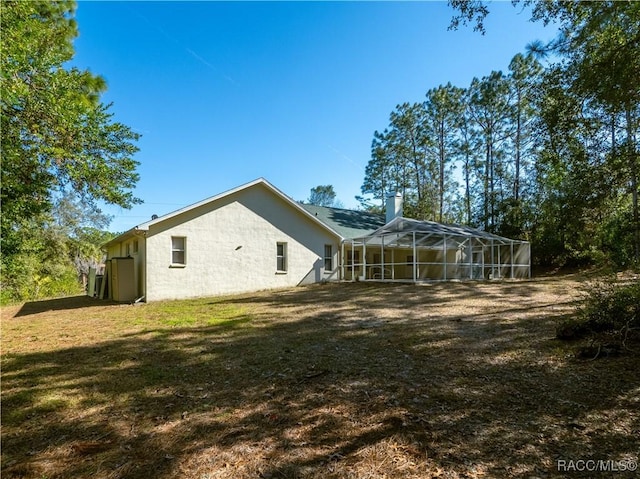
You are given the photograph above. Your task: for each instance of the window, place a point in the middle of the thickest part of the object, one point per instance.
(178, 250)
(281, 257)
(135, 246)
(127, 249)
(328, 258)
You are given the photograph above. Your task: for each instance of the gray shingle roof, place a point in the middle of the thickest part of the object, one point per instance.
(347, 223)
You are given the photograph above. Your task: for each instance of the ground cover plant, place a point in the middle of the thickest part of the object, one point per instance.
(455, 380)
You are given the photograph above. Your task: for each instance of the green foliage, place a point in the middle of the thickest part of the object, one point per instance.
(40, 269)
(415, 154)
(322, 195)
(470, 11)
(491, 112)
(550, 155)
(485, 130)
(616, 234)
(609, 307)
(612, 307)
(56, 133)
(443, 108)
(57, 138)
(53, 251)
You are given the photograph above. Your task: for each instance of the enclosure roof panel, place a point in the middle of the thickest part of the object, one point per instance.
(407, 225)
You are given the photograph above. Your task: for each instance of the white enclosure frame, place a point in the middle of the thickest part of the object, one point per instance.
(417, 251)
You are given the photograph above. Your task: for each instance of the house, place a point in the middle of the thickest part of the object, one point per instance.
(250, 238)
(255, 237)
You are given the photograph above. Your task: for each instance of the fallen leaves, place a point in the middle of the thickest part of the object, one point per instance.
(347, 380)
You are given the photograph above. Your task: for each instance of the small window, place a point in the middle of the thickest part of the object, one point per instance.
(328, 258)
(127, 249)
(281, 257)
(135, 246)
(178, 250)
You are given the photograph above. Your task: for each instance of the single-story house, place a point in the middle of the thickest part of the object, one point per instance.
(255, 237)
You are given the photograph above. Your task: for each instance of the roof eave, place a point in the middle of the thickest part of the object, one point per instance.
(146, 225)
(133, 232)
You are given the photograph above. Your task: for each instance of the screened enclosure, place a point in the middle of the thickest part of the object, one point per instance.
(415, 251)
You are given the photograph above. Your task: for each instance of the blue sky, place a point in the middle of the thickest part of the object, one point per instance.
(224, 93)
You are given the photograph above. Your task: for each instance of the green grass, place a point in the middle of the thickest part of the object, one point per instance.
(200, 312)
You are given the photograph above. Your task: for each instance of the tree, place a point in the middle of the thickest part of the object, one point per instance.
(443, 110)
(322, 195)
(400, 162)
(56, 134)
(377, 172)
(82, 229)
(599, 43)
(580, 188)
(414, 170)
(490, 111)
(466, 146)
(524, 78)
(602, 42)
(470, 11)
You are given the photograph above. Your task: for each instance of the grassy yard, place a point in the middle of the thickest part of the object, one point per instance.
(457, 380)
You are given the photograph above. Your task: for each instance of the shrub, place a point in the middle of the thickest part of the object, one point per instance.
(610, 307)
(28, 278)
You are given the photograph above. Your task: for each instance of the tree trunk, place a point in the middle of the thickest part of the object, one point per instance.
(467, 192)
(441, 178)
(516, 182)
(632, 155)
(486, 186)
(416, 166)
(491, 188)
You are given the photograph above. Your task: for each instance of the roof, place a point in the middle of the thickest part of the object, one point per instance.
(260, 181)
(347, 223)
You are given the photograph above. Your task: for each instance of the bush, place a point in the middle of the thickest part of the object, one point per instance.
(609, 313)
(28, 278)
(611, 307)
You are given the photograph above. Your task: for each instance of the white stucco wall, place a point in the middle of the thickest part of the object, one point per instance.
(231, 247)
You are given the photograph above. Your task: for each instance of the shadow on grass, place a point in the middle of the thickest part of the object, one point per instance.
(61, 304)
(331, 393)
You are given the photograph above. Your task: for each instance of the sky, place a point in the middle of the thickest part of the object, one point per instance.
(227, 92)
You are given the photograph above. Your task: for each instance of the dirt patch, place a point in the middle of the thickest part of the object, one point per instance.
(454, 380)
